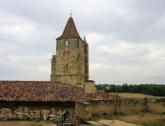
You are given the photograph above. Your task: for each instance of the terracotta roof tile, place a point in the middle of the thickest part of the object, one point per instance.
(39, 91)
(70, 30)
(46, 91)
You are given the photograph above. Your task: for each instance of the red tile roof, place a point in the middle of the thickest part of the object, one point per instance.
(39, 91)
(70, 30)
(46, 91)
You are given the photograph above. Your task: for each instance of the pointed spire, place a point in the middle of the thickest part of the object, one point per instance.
(70, 30)
(84, 38)
(70, 13)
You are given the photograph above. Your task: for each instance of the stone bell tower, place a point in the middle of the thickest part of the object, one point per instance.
(70, 64)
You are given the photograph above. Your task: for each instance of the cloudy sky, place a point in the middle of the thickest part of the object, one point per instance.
(126, 38)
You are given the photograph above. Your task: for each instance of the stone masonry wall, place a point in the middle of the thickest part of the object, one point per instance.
(90, 87)
(68, 64)
(86, 61)
(86, 110)
(120, 106)
(31, 111)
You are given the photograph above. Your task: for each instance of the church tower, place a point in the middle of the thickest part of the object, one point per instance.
(70, 64)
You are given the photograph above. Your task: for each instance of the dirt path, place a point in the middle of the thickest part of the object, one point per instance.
(116, 123)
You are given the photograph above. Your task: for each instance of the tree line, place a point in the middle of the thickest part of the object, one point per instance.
(151, 89)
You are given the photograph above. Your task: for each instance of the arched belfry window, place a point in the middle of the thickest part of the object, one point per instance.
(66, 43)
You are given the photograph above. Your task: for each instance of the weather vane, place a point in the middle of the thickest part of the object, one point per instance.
(70, 13)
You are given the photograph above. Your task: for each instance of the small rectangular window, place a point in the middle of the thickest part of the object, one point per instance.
(66, 43)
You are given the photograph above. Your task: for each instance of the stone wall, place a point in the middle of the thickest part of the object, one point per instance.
(86, 61)
(86, 110)
(34, 111)
(68, 64)
(90, 87)
(120, 106)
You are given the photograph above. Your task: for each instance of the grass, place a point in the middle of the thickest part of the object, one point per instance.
(133, 95)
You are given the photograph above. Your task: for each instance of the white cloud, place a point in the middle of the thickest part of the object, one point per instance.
(13, 59)
(18, 28)
(148, 57)
(126, 38)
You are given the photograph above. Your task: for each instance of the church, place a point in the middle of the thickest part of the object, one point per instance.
(69, 93)
(68, 87)
(71, 62)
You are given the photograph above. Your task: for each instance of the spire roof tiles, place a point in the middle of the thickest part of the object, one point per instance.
(70, 30)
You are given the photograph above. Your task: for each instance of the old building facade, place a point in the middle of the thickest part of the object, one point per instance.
(71, 62)
(42, 100)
